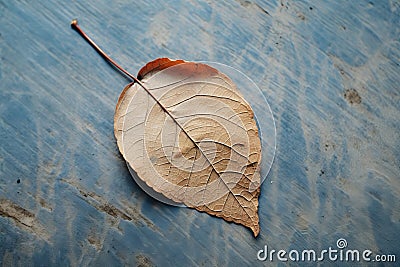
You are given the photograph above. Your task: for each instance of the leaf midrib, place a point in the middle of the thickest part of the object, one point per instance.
(166, 111)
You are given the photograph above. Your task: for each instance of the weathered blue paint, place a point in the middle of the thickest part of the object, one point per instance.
(336, 172)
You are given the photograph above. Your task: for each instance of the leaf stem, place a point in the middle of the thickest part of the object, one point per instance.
(75, 26)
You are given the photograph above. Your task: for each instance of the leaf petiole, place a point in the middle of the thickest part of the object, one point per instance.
(75, 26)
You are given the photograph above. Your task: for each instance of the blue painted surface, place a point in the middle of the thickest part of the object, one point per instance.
(337, 168)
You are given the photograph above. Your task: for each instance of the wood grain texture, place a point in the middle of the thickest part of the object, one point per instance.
(330, 70)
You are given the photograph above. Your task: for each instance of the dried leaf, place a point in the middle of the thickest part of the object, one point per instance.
(190, 135)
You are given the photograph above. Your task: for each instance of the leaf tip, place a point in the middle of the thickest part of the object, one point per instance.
(256, 230)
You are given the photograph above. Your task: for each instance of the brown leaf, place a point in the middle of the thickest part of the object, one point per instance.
(191, 136)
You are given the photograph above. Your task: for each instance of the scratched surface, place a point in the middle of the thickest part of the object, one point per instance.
(330, 70)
